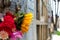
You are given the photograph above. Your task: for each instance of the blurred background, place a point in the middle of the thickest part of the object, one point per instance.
(46, 20)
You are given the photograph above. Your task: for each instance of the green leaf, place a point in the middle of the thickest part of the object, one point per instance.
(58, 33)
(19, 20)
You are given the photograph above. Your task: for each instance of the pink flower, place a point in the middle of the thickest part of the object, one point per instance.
(16, 35)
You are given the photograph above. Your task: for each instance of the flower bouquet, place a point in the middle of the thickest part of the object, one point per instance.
(14, 26)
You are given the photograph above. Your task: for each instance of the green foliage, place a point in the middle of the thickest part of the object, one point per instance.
(19, 19)
(58, 33)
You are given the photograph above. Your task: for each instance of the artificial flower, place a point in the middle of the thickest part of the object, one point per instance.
(5, 28)
(14, 25)
(10, 14)
(3, 35)
(9, 17)
(15, 35)
(8, 23)
(26, 22)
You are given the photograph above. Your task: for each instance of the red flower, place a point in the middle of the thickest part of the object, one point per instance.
(8, 24)
(10, 14)
(5, 28)
(9, 20)
(9, 17)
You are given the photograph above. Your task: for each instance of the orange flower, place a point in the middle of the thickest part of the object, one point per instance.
(26, 22)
